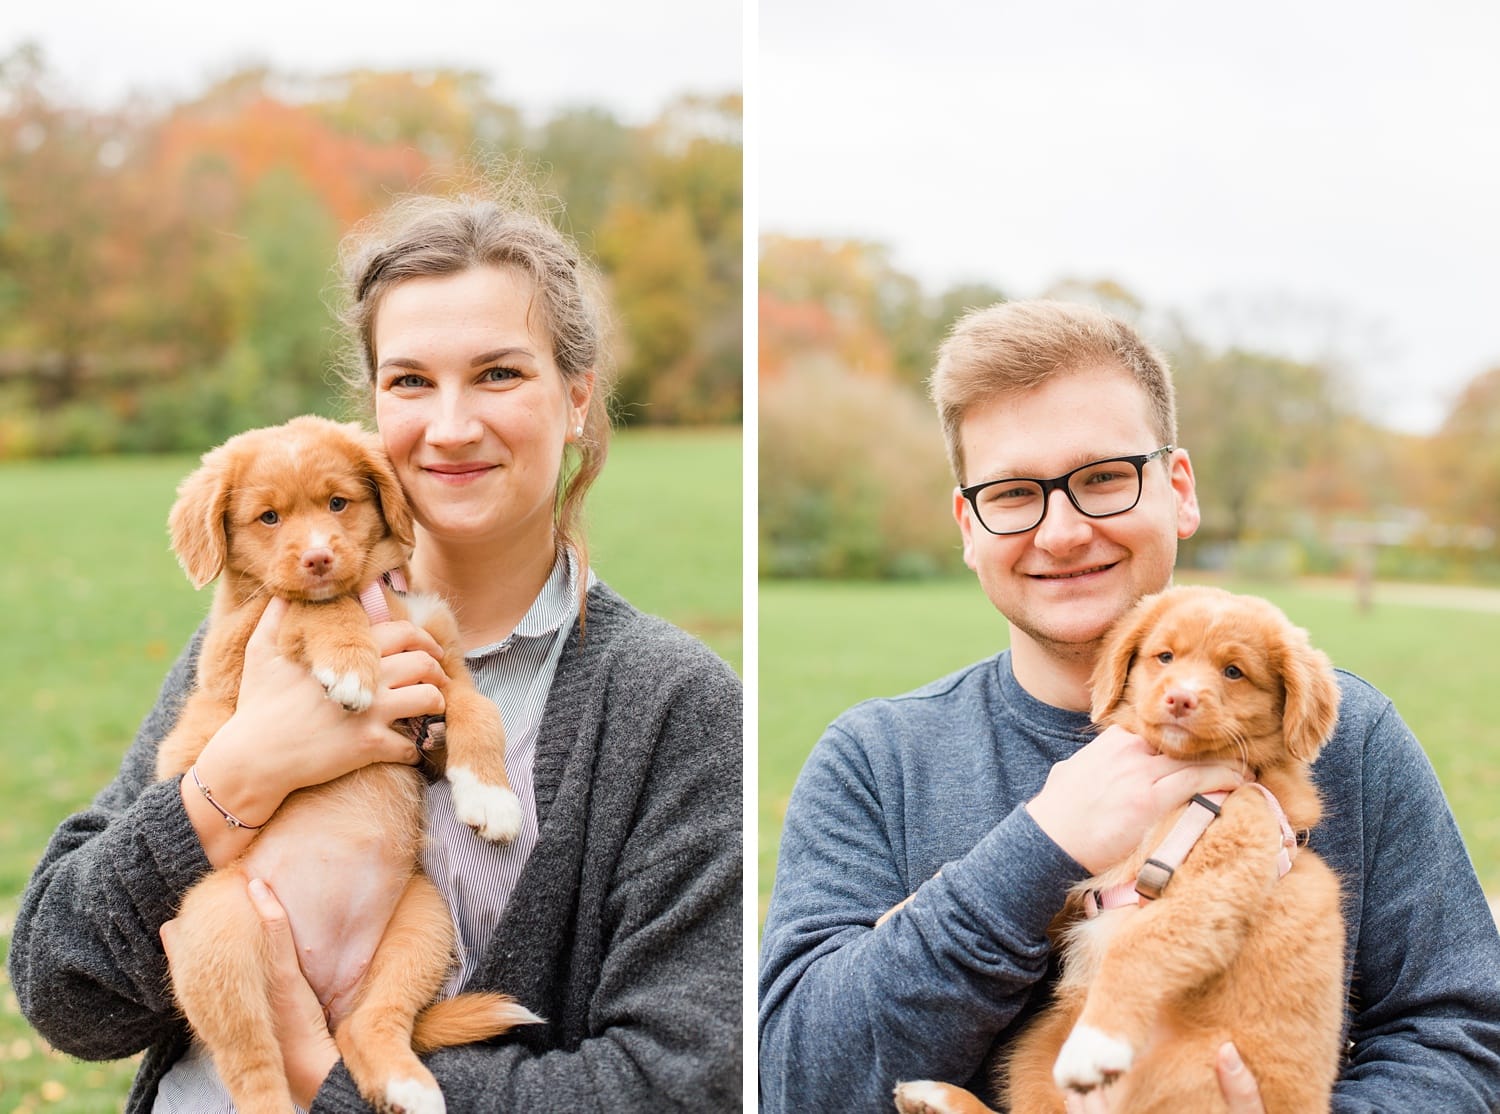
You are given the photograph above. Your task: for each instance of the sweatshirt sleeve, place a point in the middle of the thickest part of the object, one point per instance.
(1425, 1002)
(85, 958)
(665, 1018)
(847, 1009)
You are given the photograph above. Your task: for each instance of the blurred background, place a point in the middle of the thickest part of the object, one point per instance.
(173, 188)
(1295, 202)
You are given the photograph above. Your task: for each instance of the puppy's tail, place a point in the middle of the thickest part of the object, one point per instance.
(467, 1018)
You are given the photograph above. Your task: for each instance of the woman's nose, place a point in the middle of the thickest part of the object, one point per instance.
(453, 423)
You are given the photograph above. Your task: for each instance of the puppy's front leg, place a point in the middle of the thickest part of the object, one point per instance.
(482, 797)
(1174, 944)
(333, 639)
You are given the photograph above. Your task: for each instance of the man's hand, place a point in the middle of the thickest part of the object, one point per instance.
(1239, 1086)
(1098, 804)
(1235, 1082)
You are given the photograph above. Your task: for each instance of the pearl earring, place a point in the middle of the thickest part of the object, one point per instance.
(578, 432)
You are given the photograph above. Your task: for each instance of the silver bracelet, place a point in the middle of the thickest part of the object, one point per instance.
(230, 818)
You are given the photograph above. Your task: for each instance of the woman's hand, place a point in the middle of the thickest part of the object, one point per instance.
(308, 1050)
(1098, 805)
(286, 733)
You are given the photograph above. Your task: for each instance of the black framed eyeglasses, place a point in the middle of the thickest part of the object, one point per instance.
(1099, 489)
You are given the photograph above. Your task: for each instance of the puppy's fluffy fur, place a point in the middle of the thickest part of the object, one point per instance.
(1229, 952)
(311, 512)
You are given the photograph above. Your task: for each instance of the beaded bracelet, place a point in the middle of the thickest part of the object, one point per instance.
(229, 818)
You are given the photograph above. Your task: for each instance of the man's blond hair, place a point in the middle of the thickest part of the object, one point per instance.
(1014, 347)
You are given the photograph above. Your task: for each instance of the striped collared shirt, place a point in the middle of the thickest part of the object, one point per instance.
(475, 877)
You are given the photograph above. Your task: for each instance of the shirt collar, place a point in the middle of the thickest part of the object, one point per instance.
(555, 603)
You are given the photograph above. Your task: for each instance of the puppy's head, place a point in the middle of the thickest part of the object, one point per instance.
(1204, 674)
(310, 509)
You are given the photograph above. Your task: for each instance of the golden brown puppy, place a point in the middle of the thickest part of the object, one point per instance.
(311, 512)
(1230, 950)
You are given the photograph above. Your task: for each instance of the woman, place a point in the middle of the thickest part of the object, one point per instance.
(616, 914)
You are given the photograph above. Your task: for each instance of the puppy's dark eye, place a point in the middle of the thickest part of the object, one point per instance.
(1165, 657)
(1233, 672)
(337, 503)
(270, 518)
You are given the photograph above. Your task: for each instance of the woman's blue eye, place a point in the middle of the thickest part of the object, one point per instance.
(500, 373)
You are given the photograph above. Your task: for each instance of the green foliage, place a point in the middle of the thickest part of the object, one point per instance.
(96, 609)
(187, 249)
(825, 646)
(852, 480)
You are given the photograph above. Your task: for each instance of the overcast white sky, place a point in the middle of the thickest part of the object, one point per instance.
(630, 57)
(1330, 170)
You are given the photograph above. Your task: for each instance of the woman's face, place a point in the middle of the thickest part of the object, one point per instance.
(472, 407)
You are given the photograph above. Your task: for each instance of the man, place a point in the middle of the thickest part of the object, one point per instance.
(984, 796)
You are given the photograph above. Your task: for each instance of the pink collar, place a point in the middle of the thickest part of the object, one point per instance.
(373, 599)
(1163, 862)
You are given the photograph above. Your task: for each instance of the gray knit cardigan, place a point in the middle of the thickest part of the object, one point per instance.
(624, 931)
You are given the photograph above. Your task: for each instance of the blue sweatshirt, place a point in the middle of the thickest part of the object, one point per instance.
(900, 788)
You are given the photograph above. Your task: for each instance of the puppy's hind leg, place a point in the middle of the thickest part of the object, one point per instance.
(406, 973)
(221, 978)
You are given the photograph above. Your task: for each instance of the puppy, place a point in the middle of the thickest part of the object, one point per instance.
(312, 512)
(1229, 950)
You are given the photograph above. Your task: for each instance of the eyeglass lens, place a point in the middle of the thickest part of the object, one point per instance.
(1098, 490)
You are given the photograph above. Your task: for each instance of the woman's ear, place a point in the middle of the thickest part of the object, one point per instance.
(580, 392)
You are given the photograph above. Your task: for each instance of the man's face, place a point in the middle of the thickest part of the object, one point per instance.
(1064, 583)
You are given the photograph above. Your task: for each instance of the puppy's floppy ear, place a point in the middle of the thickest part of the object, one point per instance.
(1107, 685)
(1312, 694)
(393, 505)
(196, 521)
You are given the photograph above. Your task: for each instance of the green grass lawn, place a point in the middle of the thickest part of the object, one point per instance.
(824, 646)
(95, 609)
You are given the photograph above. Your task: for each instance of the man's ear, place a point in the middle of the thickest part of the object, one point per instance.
(1185, 488)
(963, 514)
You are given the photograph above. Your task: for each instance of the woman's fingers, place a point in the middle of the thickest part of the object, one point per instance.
(307, 1049)
(263, 638)
(401, 635)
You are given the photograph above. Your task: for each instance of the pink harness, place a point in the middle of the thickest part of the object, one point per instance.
(372, 599)
(1152, 880)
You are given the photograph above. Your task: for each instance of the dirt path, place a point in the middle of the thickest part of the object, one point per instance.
(1460, 597)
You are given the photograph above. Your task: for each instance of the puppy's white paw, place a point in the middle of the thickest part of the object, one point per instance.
(922, 1096)
(491, 810)
(345, 689)
(1089, 1059)
(412, 1096)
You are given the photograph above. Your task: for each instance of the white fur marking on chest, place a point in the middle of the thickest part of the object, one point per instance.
(420, 607)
